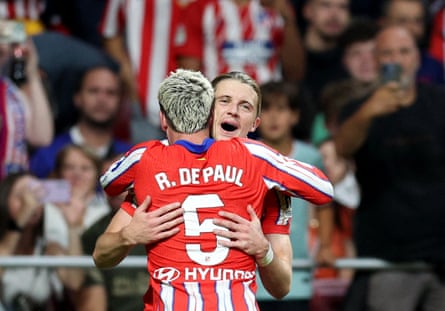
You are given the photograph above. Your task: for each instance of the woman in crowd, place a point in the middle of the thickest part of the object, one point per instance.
(21, 227)
(78, 166)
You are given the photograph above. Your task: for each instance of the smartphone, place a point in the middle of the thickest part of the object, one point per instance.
(56, 191)
(390, 72)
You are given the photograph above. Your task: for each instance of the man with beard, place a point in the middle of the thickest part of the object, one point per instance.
(326, 21)
(97, 99)
(397, 130)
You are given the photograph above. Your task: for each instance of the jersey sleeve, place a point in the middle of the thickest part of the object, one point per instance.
(120, 175)
(277, 213)
(296, 178)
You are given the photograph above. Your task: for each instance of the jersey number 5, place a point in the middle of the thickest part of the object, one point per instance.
(191, 206)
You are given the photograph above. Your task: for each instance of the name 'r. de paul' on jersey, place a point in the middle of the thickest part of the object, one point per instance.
(196, 176)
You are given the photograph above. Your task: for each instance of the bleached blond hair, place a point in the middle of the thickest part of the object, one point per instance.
(186, 99)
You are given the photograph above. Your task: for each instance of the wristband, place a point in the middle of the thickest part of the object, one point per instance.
(266, 260)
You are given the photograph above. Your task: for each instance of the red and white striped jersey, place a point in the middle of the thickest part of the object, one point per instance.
(191, 270)
(437, 40)
(24, 9)
(228, 37)
(13, 115)
(149, 29)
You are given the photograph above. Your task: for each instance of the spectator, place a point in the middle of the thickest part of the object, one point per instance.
(358, 47)
(21, 215)
(98, 99)
(81, 168)
(62, 60)
(112, 289)
(327, 19)
(140, 36)
(330, 285)
(25, 114)
(259, 38)
(398, 130)
(80, 18)
(279, 115)
(411, 14)
(61, 56)
(358, 59)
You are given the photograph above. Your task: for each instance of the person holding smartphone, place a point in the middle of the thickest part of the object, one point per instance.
(80, 168)
(25, 113)
(396, 138)
(21, 233)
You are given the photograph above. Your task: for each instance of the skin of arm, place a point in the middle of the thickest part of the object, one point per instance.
(8, 245)
(39, 127)
(277, 276)
(247, 235)
(292, 51)
(125, 231)
(115, 46)
(189, 62)
(73, 214)
(353, 132)
(325, 216)
(92, 298)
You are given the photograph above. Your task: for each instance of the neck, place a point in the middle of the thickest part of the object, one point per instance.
(283, 145)
(95, 137)
(195, 138)
(316, 43)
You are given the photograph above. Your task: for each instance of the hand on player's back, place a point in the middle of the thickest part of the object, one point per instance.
(246, 235)
(148, 227)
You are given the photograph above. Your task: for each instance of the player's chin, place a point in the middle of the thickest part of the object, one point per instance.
(226, 135)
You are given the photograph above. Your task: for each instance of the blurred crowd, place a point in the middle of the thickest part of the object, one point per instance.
(354, 87)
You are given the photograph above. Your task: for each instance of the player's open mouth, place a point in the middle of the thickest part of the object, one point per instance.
(229, 127)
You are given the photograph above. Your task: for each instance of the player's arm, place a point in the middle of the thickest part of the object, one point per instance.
(277, 276)
(294, 177)
(126, 231)
(247, 235)
(120, 175)
(115, 243)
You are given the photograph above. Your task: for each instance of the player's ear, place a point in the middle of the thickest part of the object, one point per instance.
(163, 119)
(255, 124)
